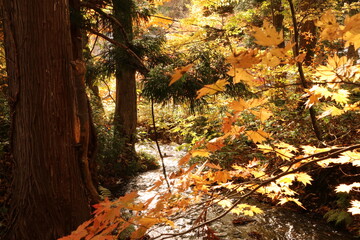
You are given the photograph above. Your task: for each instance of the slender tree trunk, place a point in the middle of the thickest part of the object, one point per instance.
(308, 40)
(87, 139)
(278, 17)
(307, 30)
(49, 195)
(303, 82)
(126, 107)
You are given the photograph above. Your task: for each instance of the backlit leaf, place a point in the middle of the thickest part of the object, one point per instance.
(258, 136)
(200, 153)
(212, 88)
(244, 59)
(179, 72)
(263, 114)
(304, 178)
(355, 207)
(267, 35)
(341, 96)
(270, 60)
(225, 203)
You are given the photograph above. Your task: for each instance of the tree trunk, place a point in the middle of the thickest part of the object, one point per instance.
(278, 17)
(49, 196)
(308, 40)
(126, 107)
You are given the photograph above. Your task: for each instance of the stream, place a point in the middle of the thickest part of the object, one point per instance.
(276, 223)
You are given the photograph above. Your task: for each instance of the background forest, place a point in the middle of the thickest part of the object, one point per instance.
(263, 95)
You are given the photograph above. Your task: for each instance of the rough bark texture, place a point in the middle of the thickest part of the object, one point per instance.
(87, 140)
(126, 108)
(49, 195)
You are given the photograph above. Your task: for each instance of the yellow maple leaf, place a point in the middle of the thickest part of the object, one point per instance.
(289, 147)
(352, 31)
(212, 88)
(240, 74)
(265, 148)
(239, 105)
(315, 94)
(283, 52)
(270, 60)
(343, 188)
(179, 72)
(267, 35)
(290, 199)
(244, 59)
(341, 96)
(225, 203)
(355, 207)
(263, 114)
(200, 153)
(246, 209)
(284, 153)
(303, 178)
(330, 27)
(287, 179)
(258, 136)
(331, 110)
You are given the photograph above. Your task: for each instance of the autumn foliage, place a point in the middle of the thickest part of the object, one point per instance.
(333, 85)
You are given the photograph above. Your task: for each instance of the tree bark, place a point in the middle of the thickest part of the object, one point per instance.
(125, 119)
(49, 195)
(278, 17)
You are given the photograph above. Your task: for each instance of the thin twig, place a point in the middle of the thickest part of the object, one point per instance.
(158, 146)
(301, 71)
(141, 67)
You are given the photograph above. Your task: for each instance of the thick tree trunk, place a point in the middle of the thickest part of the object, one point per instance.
(126, 107)
(49, 197)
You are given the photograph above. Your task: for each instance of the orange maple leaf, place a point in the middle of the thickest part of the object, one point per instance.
(179, 72)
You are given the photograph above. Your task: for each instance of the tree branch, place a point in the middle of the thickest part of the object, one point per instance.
(141, 67)
(108, 16)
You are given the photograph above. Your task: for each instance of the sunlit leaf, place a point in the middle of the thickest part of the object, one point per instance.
(258, 136)
(212, 88)
(344, 188)
(267, 35)
(225, 203)
(179, 73)
(263, 114)
(341, 96)
(200, 153)
(270, 60)
(330, 27)
(240, 75)
(287, 179)
(243, 59)
(355, 209)
(304, 178)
